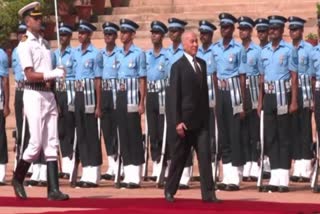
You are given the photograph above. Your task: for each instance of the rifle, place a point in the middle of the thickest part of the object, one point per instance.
(74, 162)
(314, 181)
(216, 151)
(23, 133)
(160, 177)
(260, 178)
(146, 149)
(117, 177)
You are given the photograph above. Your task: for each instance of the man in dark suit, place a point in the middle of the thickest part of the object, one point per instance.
(189, 110)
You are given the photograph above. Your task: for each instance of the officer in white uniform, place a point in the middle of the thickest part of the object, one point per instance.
(39, 103)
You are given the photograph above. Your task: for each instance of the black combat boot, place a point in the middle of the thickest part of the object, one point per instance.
(18, 178)
(53, 183)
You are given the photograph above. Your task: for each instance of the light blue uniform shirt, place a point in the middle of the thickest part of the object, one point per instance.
(173, 56)
(277, 64)
(108, 63)
(84, 64)
(157, 65)
(315, 62)
(67, 60)
(132, 63)
(16, 67)
(4, 64)
(230, 61)
(253, 56)
(304, 63)
(208, 57)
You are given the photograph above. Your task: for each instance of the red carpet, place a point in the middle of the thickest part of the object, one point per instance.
(160, 206)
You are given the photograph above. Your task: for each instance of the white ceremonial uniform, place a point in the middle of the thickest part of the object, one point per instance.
(39, 106)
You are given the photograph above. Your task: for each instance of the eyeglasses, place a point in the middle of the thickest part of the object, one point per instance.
(262, 31)
(294, 29)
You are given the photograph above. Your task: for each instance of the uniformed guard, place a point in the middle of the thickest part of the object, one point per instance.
(157, 65)
(175, 51)
(65, 98)
(262, 26)
(39, 103)
(4, 112)
(250, 125)
(205, 52)
(278, 98)
(229, 80)
(131, 92)
(109, 64)
(315, 72)
(302, 131)
(87, 106)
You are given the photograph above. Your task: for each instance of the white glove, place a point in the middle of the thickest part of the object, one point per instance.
(55, 73)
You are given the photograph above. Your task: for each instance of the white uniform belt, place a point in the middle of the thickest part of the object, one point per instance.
(252, 82)
(111, 85)
(70, 89)
(19, 85)
(211, 91)
(233, 86)
(280, 88)
(87, 87)
(159, 86)
(305, 85)
(61, 85)
(131, 86)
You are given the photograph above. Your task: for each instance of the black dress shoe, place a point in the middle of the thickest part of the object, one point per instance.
(123, 185)
(183, 186)
(64, 175)
(153, 178)
(42, 183)
(283, 189)
(31, 183)
(87, 184)
(294, 178)
(2, 183)
(253, 178)
(133, 186)
(232, 187)
(79, 183)
(221, 186)
(107, 177)
(271, 188)
(266, 175)
(245, 178)
(304, 180)
(169, 197)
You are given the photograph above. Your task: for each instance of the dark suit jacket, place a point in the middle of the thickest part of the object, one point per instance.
(188, 97)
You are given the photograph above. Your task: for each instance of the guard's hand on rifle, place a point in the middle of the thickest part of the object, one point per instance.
(98, 112)
(180, 128)
(242, 115)
(293, 107)
(259, 109)
(141, 108)
(6, 111)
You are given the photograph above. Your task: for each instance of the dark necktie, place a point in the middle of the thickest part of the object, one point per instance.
(198, 70)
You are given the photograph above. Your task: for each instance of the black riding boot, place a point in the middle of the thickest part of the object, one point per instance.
(53, 183)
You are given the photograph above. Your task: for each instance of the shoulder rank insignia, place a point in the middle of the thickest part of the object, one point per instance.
(24, 38)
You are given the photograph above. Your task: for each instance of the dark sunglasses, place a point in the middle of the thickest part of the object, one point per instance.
(37, 17)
